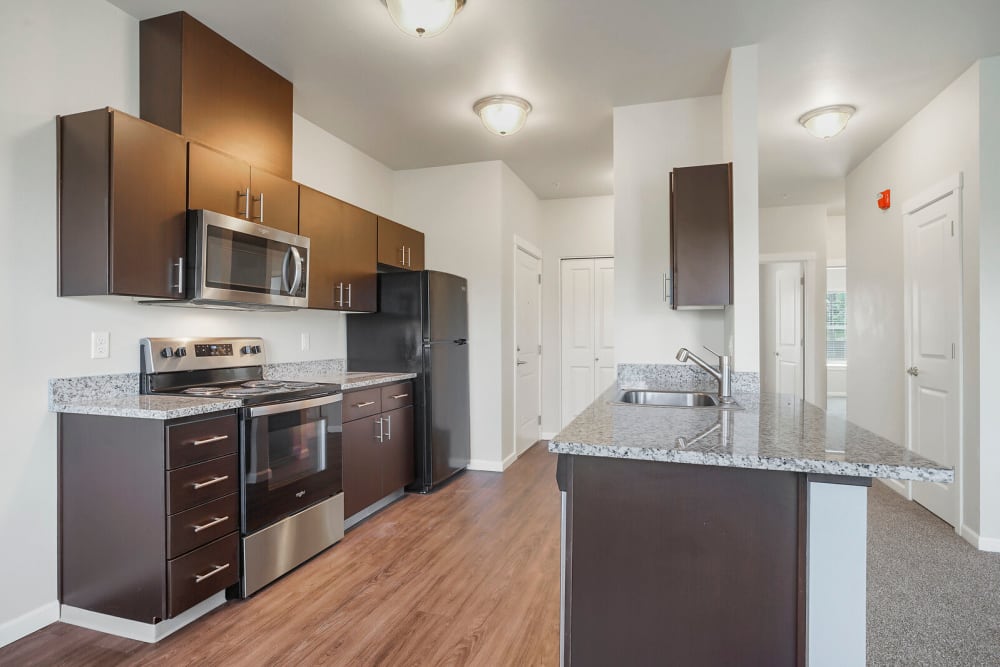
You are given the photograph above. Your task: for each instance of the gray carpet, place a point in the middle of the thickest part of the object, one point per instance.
(933, 599)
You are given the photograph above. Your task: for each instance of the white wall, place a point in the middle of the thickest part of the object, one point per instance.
(989, 304)
(65, 56)
(578, 227)
(649, 141)
(836, 240)
(937, 143)
(799, 232)
(739, 121)
(459, 208)
(519, 213)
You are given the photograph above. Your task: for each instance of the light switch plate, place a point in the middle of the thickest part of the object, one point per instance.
(100, 344)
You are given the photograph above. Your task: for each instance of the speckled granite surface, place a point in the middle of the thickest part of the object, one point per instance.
(145, 407)
(353, 379)
(66, 390)
(295, 370)
(771, 432)
(681, 377)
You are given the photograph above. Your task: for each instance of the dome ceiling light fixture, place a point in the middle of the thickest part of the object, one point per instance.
(502, 114)
(827, 122)
(423, 18)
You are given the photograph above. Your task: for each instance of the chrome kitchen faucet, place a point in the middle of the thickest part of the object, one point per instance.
(723, 374)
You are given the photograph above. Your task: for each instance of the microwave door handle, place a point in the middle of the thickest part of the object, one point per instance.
(284, 270)
(298, 271)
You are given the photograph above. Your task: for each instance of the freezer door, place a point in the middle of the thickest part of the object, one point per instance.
(446, 411)
(391, 339)
(446, 307)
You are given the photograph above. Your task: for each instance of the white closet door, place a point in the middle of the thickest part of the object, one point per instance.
(588, 338)
(604, 321)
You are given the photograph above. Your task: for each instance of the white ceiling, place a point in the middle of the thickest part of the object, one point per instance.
(407, 102)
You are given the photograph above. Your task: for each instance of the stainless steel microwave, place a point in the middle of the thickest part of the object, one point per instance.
(236, 263)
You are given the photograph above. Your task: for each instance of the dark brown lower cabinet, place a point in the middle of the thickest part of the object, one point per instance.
(675, 564)
(378, 448)
(148, 513)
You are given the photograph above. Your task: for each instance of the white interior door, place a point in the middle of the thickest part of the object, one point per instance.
(588, 337)
(528, 334)
(933, 288)
(788, 329)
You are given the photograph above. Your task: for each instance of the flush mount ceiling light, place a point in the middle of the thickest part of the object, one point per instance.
(423, 18)
(827, 122)
(502, 114)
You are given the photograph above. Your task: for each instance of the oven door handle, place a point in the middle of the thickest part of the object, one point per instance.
(279, 408)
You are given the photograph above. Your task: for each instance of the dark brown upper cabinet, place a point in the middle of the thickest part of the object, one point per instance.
(343, 246)
(399, 246)
(194, 82)
(701, 236)
(228, 185)
(122, 222)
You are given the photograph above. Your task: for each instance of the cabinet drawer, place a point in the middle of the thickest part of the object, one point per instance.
(201, 440)
(201, 573)
(200, 525)
(200, 483)
(397, 396)
(358, 404)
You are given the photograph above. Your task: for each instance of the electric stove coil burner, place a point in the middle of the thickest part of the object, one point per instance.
(204, 391)
(299, 385)
(246, 391)
(264, 384)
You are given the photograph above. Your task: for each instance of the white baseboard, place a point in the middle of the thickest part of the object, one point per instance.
(25, 624)
(549, 436)
(143, 632)
(506, 463)
(991, 544)
(486, 465)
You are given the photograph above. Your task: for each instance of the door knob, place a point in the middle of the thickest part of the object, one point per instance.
(913, 370)
(521, 363)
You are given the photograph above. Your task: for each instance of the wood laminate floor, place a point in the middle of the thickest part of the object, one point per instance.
(468, 575)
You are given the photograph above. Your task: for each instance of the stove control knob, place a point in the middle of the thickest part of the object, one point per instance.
(247, 349)
(180, 352)
(257, 349)
(167, 352)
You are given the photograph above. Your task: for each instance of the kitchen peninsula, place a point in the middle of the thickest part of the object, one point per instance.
(718, 536)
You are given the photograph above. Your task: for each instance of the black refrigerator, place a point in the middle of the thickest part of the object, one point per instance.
(422, 327)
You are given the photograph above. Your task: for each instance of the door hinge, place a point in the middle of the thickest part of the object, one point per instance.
(802, 280)
(952, 227)
(952, 350)
(539, 349)
(539, 420)
(539, 279)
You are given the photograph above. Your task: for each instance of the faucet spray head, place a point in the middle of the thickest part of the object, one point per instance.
(682, 355)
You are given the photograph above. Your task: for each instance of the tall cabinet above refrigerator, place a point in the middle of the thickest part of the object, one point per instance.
(422, 328)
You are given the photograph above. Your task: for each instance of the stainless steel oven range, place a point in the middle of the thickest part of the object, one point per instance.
(291, 470)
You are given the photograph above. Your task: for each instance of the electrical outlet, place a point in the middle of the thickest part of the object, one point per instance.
(305, 342)
(100, 344)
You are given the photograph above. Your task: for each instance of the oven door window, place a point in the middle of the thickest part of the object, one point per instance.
(247, 263)
(294, 451)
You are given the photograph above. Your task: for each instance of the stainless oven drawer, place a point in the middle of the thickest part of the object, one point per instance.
(194, 485)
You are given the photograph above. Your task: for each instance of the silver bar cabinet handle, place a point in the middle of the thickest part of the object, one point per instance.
(364, 405)
(340, 301)
(214, 522)
(245, 196)
(198, 578)
(206, 441)
(214, 480)
(350, 291)
(388, 427)
(260, 216)
(399, 396)
(409, 256)
(402, 252)
(180, 275)
(381, 434)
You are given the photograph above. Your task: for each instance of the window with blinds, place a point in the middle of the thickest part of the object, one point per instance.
(836, 316)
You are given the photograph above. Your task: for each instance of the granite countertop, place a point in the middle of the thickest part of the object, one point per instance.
(770, 432)
(345, 381)
(144, 406)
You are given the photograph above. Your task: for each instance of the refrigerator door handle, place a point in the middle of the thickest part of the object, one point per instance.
(462, 341)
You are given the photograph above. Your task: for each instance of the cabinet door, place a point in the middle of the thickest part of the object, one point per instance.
(397, 450)
(317, 216)
(274, 201)
(391, 243)
(217, 182)
(357, 258)
(362, 465)
(701, 236)
(414, 241)
(148, 228)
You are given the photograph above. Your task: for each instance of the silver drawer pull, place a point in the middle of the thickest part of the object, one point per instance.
(214, 522)
(364, 405)
(208, 441)
(399, 396)
(214, 480)
(198, 578)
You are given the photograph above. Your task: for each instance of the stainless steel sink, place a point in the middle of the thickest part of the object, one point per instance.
(673, 399)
